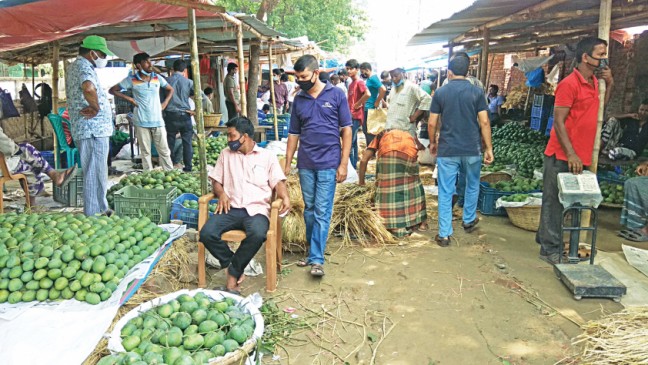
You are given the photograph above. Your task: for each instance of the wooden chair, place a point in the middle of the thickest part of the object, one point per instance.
(7, 176)
(272, 244)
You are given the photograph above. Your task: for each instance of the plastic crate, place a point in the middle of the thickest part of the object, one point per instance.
(536, 112)
(543, 100)
(536, 124)
(48, 156)
(71, 195)
(186, 215)
(131, 201)
(549, 125)
(283, 133)
(487, 199)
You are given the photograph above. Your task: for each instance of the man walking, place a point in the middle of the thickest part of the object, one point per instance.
(91, 120)
(177, 116)
(461, 105)
(571, 142)
(149, 124)
(232, 92)
(377, 90)
(358, 95)
(320, 115)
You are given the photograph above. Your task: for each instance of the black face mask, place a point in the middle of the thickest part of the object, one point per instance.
(306, 85)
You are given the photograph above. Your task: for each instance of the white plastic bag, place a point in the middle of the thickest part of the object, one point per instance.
(424, 156)
(125, 152)
(352, 174)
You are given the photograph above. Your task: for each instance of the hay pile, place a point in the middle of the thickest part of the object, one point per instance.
(167, 276)
(354, 217)
(620, 338)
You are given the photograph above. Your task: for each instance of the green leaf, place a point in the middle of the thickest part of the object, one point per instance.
(372, 337)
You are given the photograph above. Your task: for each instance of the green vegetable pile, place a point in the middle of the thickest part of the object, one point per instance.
(213, 147)
(185, 331)
(184, 182)
(516, 144)
(612, 193)
(193, 204)
(518, 185)
(517, 198)
(64, 256)
(495, 167)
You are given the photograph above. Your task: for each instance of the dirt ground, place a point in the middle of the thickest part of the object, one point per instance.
(487, 299)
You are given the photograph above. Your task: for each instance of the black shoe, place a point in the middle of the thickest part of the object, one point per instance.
(552, 258)
(443, 242)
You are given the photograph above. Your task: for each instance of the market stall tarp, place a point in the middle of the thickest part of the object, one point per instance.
(67, 332)
(28, 23)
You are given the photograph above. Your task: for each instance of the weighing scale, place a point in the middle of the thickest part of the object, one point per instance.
(583, 280)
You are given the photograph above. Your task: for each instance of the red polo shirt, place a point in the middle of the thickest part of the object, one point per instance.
(356, 91)
(582, 99)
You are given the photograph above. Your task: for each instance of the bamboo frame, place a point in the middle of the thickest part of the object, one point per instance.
(200, 121)
(483, 69)
(272, 92)
(241, 61)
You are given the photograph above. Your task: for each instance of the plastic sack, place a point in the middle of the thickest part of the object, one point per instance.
(376, 120)
(534, 199)
(352, 174)
(8, 108)
(424, 156)
(535, 78)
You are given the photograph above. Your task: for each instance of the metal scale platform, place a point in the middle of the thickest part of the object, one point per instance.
(583, 280)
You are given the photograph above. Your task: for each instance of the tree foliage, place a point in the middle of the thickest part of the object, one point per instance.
(334, 24)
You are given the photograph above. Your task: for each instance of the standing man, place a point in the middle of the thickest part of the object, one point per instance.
(495, 103)
(377, 90)
(461, 105)
(232, 92)
(335, 80)
(320, 116)
(91, 120)
(291, 86)
(177, 116)
(280, 90)
(571, 142)
(358, 95)
(149, 123)
(344, 77)
(407, 103)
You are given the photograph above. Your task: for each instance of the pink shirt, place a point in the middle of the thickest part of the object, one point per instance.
(248, 179)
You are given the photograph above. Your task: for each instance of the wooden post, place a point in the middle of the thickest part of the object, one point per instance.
(55, 76)
(483, 72)
(241, 60)
(200, 121)
(272, 92)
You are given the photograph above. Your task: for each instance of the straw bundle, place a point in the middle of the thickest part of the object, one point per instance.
(294, 228)
(166, 277)
(619, 339)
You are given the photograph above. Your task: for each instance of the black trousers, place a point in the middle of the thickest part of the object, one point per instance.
(255, 227)
(180, 122)
(549, 234)
(231, 110)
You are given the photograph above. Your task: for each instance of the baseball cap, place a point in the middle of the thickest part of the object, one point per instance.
(96, 43)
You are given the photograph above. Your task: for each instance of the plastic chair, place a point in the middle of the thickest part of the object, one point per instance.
(7, 176)
(72, 153)
(272, 244)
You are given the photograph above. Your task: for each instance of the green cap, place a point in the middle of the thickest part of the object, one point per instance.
(96, 43)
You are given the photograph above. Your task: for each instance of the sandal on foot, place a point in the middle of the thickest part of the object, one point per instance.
(317, 270)
(443, 242)
(302, 263)
(231, 291)
(635, 236)
(68, 175)
(423, 228)
(470, 226)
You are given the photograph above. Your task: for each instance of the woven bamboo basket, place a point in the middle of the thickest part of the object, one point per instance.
(495, 177)
(212, 120)
(526, 217)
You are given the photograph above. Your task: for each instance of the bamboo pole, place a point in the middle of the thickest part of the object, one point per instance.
(55, 76)
(200, 121)
(272, 92)
(241, 60)
(483, 72)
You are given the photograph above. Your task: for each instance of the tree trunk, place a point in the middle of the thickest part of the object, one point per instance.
(253, 83)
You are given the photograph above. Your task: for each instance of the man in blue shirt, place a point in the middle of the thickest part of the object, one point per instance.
(461, 105)
(91, 121)
(149, 124)
(378, 92)
(320, 114)
(177, 115)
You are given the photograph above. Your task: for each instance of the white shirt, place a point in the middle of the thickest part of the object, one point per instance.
(290, 85)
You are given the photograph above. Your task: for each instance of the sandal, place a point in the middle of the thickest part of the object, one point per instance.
(423, 227)
(443, 242)
(470, 226)
(68, 175)
(634, 236)
(317, 270)
(302, 263)
(231, 291)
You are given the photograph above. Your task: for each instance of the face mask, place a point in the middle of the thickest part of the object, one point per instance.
(235, 145)
(364, 76)
(398, 84)
(603, 63)
(145, 73)
(100, 62)
(276, 78)
(306, 85)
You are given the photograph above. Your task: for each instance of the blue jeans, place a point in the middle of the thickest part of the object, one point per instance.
(354, 143)
(449, 170)
(318, 190)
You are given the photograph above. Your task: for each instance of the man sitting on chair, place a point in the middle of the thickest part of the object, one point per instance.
(242, 179)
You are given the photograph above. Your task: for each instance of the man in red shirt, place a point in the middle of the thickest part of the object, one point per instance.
(357, 96)
(572, 137)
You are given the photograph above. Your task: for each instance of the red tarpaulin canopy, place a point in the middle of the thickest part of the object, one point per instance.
(27, 23)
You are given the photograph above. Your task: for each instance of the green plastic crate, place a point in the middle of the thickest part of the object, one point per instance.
(131, 201)
(71, 194)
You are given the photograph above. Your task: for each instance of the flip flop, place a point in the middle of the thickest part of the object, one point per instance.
(636, 237)
(302, 263)
(317, 270)
(224, 288)
(69, 174)
(423, 229)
